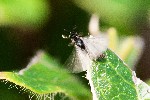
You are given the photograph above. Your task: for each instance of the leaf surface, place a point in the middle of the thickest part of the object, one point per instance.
(43, 76)
(111, 79)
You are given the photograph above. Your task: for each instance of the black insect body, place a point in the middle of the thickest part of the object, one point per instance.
(76, 39)
(80, 43)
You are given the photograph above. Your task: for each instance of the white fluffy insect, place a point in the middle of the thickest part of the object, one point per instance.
(86, 50)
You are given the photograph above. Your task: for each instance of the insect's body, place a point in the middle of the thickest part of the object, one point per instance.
(87, 49)
(77, 40)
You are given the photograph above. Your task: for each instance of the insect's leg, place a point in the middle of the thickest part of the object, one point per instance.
(64, 36)
(80, 35)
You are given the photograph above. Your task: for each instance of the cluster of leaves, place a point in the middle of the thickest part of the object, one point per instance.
(109, 78)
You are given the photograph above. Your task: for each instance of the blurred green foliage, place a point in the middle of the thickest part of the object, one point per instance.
(128, 48)
(122, 14)
(29, 13)
(29, 25)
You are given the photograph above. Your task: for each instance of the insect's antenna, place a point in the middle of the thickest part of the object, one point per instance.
(74, 28)
(66, 30)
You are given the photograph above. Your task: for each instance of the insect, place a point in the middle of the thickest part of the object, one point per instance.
(86, 50)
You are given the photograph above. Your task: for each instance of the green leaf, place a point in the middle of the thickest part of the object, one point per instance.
(43, 76)
(111, 79)
(142, 87)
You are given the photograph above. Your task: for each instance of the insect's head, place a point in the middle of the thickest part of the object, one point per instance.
(72, 35)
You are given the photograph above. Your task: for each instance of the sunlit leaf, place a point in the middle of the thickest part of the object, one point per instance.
(111, 79)
(142, 88)
(43, 76)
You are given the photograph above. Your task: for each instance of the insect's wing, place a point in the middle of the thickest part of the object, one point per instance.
(73, 63)
(96, 45)
(78, 61)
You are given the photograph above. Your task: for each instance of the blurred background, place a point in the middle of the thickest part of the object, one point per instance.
(29, 25)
